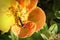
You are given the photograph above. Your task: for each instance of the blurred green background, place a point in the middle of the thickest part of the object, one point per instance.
(51, 30)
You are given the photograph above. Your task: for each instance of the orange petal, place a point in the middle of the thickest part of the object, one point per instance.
(24, 32)
(31, 3)
(37, 16)
(23, 2)
(28, 30)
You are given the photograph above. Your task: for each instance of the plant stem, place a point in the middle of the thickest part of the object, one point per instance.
(12, 36)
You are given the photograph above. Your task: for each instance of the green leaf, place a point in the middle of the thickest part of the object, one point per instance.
(45, 27)
(44, 37)
(53, 28)
(58, 27)
(46, 34)
(36, 36)
(57, 14)
(52, 22)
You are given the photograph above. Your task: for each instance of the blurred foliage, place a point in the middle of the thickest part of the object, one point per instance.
(52, 26)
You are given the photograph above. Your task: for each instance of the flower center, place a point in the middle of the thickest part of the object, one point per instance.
(20, 14)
